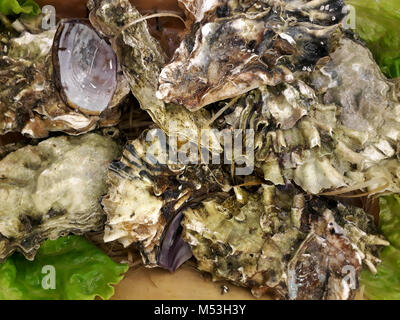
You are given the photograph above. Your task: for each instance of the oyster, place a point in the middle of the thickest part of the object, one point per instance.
(334, 129)
(29, 99)
(147, 193)
(53, 189)
(236, 46)
(303, 10)
(86, 68)
(173, 250)
(277, 241)
(141, 59)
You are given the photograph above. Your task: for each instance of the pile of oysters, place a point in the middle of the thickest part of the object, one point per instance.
(318, 122)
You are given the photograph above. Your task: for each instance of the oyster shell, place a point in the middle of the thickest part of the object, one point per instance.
(337, 128)
(86, 67)
(29, 99)
(147, 192)
(141, 59)
(277, 241)
(237, 46)
(303, 10)
(53, 189)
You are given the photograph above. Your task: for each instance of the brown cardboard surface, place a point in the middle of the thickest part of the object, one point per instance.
(184, 284)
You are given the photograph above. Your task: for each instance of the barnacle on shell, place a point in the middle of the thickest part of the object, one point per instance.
(53, 189)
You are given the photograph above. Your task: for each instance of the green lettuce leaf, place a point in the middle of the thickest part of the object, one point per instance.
(82, 272)
(377, 23)
(14, 7)
(385, 285)
(389, 217)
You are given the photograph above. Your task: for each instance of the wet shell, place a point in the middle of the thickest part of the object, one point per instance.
(53, 189)
(29, 100)
(238, 46)
(275, 241)
(337, 130)
(85, 67)
(147, 193)
(141, 59)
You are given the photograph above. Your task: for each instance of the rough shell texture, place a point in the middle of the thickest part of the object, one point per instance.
(52, 189)
(337, 128)
(238, 46)
(303, 10)
(141, 59)
(147, 191)
(276, 241)
(29, 101)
